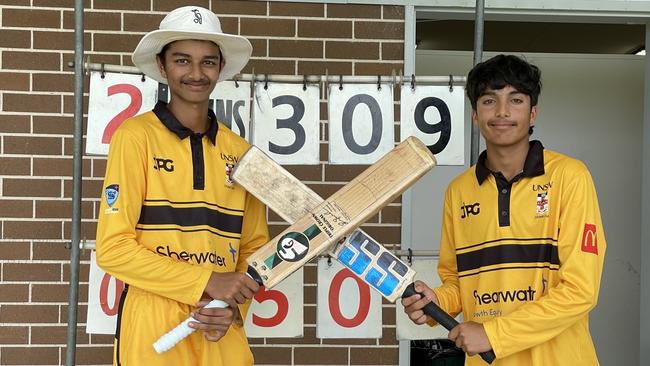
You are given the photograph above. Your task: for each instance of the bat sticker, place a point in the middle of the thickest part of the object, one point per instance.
(292, 247)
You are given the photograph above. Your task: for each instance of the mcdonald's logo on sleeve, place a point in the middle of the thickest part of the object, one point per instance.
(589, 239)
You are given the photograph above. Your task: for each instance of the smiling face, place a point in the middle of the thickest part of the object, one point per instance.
(504, 117)
(192, 69)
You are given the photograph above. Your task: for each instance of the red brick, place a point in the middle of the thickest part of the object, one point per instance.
(57, 125)
(94, 58)
(278, 67)
(58, 3)
(57, 334)
(14, 166)
(305, 172)
(14, 335)
(31, 187)
(121, 4)
(295, 48)
(16, 208)
(353, 11)
(91, 189)
(31, 18)
(393, 12)
(69, 105)
(352, 50)
(229, 24)
(323, 67)
(374, 356)
(14, 38)
(42, 103)
(58, 40)
(94, 355)
(392, 51)
(95, 20)
(324, 29)
(259, 47)
(168, 5)
(376, 68)
(14, 81)
(142, 22)
(29, 314)
(322, 356)
(343, 173)
(99, 167)
(391, 214)
(15, 2)
(59, 82)
(272, 355)
(239, 7)
(29, 356)
(88, 230)
(58, 167)
(378, 30)
(16, 60)
(62, 209)
(56, 292)
(14, 251)
(268, 27)
(112, 42)
(31, 272)
(10, 292)
(82, 313)
(293, 9)
(14, 123)
(387, 234)
(32, 145)
(32, 230)
(54, 251)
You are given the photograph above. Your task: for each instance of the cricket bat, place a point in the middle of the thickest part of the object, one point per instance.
(364, 256)
(326, 222)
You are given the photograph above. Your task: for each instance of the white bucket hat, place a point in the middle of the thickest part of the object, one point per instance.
(191, 22)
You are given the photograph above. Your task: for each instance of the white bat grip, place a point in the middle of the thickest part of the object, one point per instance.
(182, 330)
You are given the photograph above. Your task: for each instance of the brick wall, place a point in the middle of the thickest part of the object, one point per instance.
(36, 124)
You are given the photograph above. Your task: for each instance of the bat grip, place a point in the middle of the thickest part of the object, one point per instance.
(169, 340)
(254, 275)
(444, 319)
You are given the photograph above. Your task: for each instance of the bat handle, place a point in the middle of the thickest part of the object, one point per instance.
(444, 319)
(169, 340)
(252, 273)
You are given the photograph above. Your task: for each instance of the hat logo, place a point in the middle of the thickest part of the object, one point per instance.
(197, 16)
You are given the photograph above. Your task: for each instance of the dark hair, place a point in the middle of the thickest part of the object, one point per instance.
(501, 71)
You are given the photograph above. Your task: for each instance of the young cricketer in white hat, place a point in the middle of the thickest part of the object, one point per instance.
(172, 225)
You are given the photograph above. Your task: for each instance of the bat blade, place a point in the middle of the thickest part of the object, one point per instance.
(318, 227)
(359, 252)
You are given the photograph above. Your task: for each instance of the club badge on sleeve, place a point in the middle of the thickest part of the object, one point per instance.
(111, 193)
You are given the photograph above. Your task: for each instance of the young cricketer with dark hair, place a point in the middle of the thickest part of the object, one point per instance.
(522, 244)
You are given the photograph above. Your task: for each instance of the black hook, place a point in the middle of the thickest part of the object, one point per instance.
(340, 82)
(304, 82)
(235, 80)
(266, 81)
(143, 79)
(410, 256)
(103, 75)
(378, 82)
(451, 83)
(329, 260)
(412, 81)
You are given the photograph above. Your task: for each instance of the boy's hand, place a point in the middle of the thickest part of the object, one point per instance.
(471, 338)
(413, 305)
(231, 287)
(214, 322)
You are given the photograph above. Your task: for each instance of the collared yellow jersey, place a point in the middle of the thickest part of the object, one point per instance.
(524, 258)
(170, 216)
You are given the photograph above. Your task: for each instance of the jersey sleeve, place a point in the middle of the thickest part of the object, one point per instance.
(448, 293)
(581, 247)
(118, 251)
(255, 234)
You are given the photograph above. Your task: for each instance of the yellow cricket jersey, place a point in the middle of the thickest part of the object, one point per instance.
(525, 258)
(170, 216)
